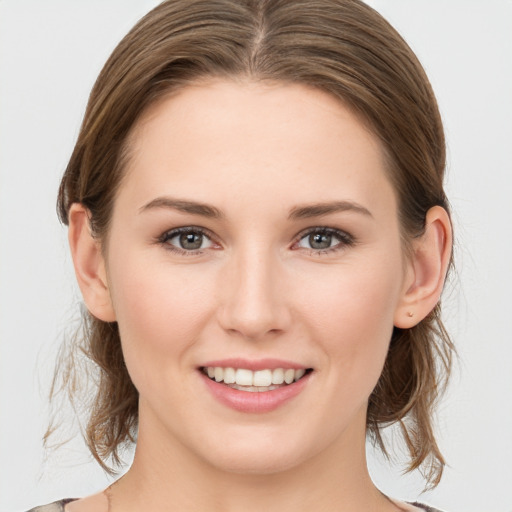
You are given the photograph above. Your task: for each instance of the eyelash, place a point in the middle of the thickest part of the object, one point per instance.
(345, 240)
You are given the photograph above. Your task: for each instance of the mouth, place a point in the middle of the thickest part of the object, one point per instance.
(243, 379)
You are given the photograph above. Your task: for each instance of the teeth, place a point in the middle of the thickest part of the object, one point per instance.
(219, 374)
(254, 380)
(229, 376)
(262, 378)
(289, 376)
(242, 377)
(298, 374)
(278, 376)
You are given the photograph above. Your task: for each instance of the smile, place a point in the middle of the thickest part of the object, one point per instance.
(243, 379)
(255, 387)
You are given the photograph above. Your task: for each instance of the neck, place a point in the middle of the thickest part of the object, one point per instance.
(165, 475)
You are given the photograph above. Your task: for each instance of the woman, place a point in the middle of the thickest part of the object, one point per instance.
(260, 233)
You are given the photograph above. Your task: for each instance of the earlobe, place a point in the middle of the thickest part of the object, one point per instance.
(89, 265)
(428, 265)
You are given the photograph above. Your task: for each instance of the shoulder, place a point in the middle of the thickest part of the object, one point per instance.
(57, 506)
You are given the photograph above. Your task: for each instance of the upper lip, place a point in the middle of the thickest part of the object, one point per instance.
(254, 364)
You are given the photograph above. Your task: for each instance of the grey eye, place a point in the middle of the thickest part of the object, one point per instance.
(320, 240)
(189, 240)
(323, 239)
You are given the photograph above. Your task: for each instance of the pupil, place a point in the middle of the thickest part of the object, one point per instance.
(320, 241)
(191, 241)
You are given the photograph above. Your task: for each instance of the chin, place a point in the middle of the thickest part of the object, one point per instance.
(254, 462)
(264, 452)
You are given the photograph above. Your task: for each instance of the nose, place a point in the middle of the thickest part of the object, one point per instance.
(253, 297)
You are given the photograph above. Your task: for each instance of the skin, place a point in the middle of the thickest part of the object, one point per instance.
(256, 288)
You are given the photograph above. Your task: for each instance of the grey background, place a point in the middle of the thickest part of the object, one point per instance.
(50, 54)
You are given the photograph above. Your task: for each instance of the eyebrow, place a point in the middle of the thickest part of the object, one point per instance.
(298, 212)
(319, 209)
(181, 205)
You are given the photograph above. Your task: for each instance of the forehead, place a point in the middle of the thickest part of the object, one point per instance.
(254, 139)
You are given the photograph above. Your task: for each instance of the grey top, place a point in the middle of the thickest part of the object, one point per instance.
(425, 507)
(58, 506)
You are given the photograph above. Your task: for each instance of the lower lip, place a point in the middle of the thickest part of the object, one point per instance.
(257, 401)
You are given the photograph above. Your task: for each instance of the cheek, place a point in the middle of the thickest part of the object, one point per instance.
(351, 316)
(160, 311)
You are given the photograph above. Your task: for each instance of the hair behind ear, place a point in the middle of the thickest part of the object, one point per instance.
(419, 360)
(414, 377)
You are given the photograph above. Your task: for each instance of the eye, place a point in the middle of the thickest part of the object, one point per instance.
(187, 239)
(323, 239)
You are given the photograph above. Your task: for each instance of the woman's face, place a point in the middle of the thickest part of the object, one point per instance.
(255, 233)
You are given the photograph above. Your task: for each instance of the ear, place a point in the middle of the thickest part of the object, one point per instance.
(89, 265)
(426, 271)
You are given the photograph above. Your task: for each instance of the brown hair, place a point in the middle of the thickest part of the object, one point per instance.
(342, 47)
